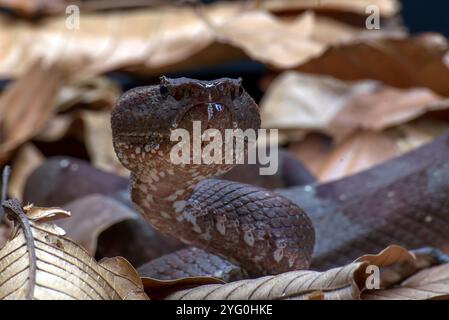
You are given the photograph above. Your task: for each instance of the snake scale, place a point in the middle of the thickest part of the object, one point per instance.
(240, 230)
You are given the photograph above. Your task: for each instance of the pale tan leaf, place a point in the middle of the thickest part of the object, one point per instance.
(387, 8)
(312, 151)
(93, 128)
(342, 283)
(365, 149)
(89, 92)
(339, 108)
(390, 255)
(419, 61)
(39, 263)
(27, 158)
(385, 108)
(27, 104)
(91, 215)
(45, 214)
(293, 43)
(125, 279)
(308, 102)
(152, 38)
(5, 229)
(431, 283)
(56, 128)
(360, 151)
(170, 38)
(98, 140)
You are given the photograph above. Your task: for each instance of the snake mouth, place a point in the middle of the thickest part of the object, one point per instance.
(211, 114)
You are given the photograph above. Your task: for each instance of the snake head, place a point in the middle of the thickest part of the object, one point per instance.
(144, 117)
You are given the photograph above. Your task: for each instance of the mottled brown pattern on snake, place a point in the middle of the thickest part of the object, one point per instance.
(260, 230)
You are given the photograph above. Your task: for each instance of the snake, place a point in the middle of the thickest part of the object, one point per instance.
(227, 223)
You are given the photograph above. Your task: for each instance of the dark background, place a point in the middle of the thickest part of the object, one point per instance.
(426, 15)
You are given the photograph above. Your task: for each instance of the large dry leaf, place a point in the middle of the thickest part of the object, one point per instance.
(312, 151)
(385, 108)
(431, 283)
(359, 152)
(46, 7)
(387, 8)
(24, 162)
(310, 102)
(4, 233)
(89, 92)
(35, 7)
(419, 61)
(341, 283)
(293, 44)
(300, 101)
(38, 262)
(90, 216)
(27, 104)
(93, 129)
(363, 149)
(170, 38)
(98, 141)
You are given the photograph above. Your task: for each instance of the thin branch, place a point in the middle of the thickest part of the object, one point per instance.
(4, 192)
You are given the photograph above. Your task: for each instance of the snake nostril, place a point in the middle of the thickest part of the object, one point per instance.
(163, 90)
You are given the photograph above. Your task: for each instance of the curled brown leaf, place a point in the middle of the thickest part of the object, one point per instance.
(341, 283)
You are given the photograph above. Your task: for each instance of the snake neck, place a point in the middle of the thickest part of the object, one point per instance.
(161, 192)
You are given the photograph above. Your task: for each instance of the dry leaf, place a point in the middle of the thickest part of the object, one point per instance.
(89, 92)
(431, 283)
(385, 108)
(5, 229)
(26, 106)
(25, 161)
(426, 257)
(47, 7)
(36, 7)
(419, 61)
(169, 39)
(38, 262)
(309, 102)
(312, 151)
(387, 8)
(365, 149)
(293, 43)
(359, 152)
(98, 141)
(90, 216)
(152, 38)
(341, 283)
(93, 128)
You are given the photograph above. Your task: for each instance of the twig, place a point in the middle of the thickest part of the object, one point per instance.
(4, 192)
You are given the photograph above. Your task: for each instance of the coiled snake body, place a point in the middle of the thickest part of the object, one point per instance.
(257, 229)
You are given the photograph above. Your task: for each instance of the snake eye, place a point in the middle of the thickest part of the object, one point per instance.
(163, 90)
